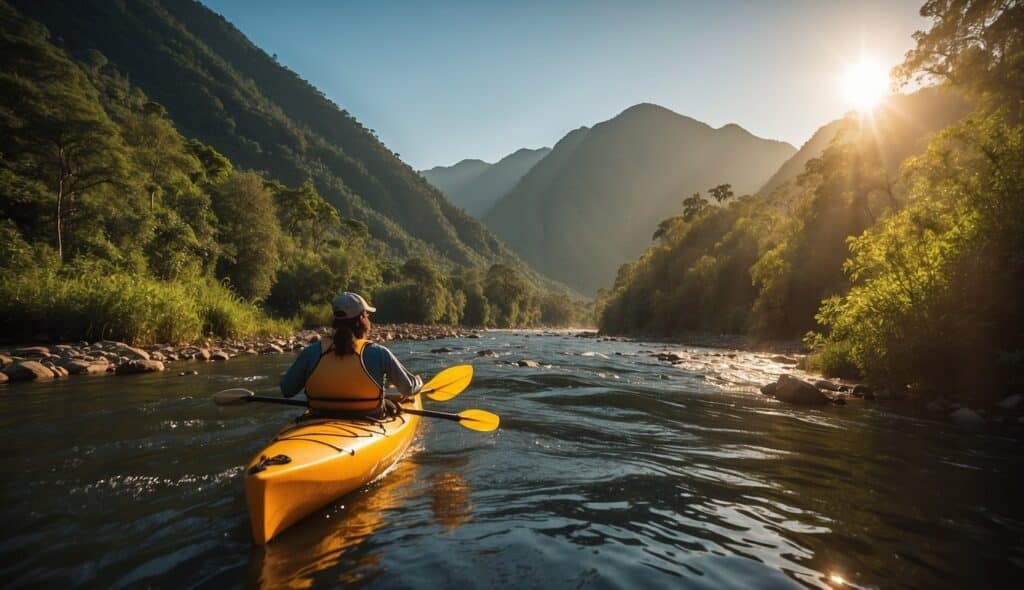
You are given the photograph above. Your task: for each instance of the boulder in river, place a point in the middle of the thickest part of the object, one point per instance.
(791, 390)
(28, 371)
(219, 355)
(529, 363)
(861, 390)
(486, 352)
(443, 349)
(3, 377)
(5, 360)
(966, 417)
(827, 385)
(769, 389)
(139, 366)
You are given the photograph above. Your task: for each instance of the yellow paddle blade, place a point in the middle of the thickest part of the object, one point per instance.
(479, 420)
(232, 397)
(448, 383)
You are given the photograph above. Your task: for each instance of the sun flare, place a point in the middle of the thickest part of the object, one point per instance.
(865, 84)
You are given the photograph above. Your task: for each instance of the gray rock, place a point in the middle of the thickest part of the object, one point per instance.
(76, 367)
(486, 352)
(219, 355)
(861, 390)
(1012, 402)
(33, 352)
(785, 360)
(156, 355)
(443, 349)
(139, 366)
(3, 377)
(272, 348)
(5, 360)
(98, 368)
(769, 389)
(473, 336)
(132, 353)
(966, 417)
(791, 390)
(826, 385)
(203, 354)
(529, 363)
(28, 371)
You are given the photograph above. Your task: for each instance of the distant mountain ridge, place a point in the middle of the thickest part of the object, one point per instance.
(593, 202)
(476, 185)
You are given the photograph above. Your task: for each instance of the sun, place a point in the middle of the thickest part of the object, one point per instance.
(864, 84)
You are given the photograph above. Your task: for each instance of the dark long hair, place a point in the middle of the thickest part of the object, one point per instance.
(347, 331)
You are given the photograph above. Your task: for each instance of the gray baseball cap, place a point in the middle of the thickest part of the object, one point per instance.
(349, 305)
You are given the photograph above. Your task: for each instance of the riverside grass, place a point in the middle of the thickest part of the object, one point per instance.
(128, 307)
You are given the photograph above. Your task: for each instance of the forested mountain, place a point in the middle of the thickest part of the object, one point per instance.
(116, 224)
(592, 203)
(903, 123)
(476, 186)
(220, 88)
(911, 279)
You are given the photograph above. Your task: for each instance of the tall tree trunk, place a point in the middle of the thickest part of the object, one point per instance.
(60, 204)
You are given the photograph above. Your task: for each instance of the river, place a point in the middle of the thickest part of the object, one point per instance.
(610, 470)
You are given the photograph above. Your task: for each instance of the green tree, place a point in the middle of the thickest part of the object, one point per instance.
(304, 214)
(59, 139)
(693, 206)
(509, 296)
(249, 234)
(972, 44)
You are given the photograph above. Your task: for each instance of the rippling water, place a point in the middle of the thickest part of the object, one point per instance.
(610, 470)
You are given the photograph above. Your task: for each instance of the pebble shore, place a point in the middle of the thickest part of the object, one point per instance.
(109, 357)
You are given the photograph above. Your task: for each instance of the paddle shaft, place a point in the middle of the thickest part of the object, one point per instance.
(298, 402)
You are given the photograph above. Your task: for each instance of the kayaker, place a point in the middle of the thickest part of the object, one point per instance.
(346, 373)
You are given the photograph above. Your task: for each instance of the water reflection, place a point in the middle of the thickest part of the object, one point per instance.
(450, 499)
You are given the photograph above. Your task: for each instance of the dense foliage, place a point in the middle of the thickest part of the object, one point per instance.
(910, 278)
(117, 225)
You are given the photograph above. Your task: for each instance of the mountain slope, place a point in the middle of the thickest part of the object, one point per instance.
(221, 88)
(902, 123)
(594, 201)
(478, 193)
(451, 179)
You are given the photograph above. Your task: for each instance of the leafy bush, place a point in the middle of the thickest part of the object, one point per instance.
(93, 302)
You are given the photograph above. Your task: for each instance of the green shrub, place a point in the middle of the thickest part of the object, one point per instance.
(95, 302)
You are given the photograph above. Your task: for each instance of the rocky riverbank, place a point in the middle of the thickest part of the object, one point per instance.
(801, 387)
(108, 357)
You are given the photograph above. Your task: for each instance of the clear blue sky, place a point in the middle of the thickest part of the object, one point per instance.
(445, 81)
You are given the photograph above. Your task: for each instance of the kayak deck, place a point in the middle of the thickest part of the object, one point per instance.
(314, 461)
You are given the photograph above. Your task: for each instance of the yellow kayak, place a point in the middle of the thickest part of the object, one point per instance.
(313, 462)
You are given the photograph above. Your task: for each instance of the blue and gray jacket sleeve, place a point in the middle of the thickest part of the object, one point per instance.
(380, 363)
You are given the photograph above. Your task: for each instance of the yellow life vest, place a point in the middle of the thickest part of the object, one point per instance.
(342, 383)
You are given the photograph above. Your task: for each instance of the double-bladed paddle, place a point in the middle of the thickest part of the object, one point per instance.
(444, 386)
